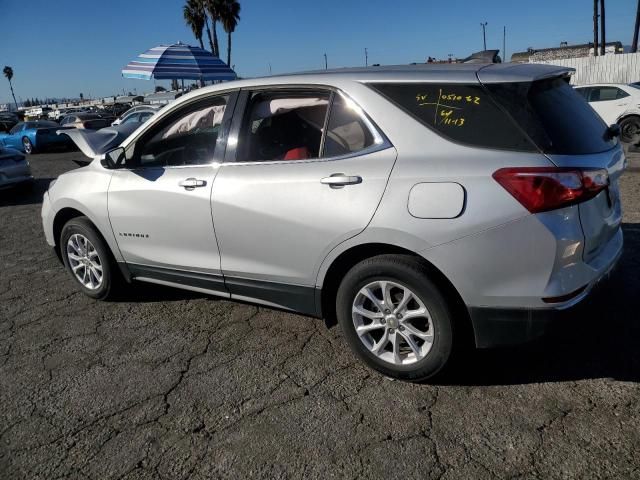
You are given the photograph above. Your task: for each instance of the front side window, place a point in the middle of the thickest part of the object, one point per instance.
(584, 92)
(133, 117)
(283, 126)
(144, 116)
(187, 138)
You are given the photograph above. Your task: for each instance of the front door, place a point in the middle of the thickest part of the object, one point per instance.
(288, 193)
(160, 204)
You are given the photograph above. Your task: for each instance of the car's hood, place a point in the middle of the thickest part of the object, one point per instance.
(93, 143)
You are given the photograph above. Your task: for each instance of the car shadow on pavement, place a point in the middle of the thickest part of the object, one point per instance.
(150, 293)
(599, 338)
(26, 194)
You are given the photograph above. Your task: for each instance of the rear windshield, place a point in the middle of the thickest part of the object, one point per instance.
(554, 115)
(547, 115)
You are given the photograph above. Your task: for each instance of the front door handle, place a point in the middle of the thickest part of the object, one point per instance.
(191, 183)
(338, 180)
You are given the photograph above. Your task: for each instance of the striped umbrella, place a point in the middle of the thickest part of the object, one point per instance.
(178, 61)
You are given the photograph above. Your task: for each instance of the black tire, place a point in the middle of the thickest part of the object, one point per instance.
(111, 277)
(630, 129)
(28, 146)
(409, 272)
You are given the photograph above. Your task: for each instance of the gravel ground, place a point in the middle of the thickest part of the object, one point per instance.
(177, 385)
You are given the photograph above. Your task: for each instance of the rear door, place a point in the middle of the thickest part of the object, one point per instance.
(287, 193)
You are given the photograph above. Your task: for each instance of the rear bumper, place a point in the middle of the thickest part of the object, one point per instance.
(501, 327)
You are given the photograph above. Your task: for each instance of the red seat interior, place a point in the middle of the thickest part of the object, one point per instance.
(299, 153)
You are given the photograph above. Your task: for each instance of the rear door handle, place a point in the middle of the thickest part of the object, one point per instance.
(337, 180)
(191, 183)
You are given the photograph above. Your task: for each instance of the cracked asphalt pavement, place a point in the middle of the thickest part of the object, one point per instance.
(176, 385)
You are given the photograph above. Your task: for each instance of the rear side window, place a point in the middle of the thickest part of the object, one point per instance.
(554, 115)
(465, 114)
(604, 94)
(346, 131)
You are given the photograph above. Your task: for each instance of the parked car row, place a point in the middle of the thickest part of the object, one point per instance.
(39, 135)
(14, 169)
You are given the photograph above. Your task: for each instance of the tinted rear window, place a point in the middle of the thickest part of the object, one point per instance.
(463, 113)
(554, 115)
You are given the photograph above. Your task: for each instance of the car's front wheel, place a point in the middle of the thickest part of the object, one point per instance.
(395, 318)
(27, 146)
(88, 259)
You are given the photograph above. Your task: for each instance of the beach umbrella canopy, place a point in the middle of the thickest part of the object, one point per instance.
(178, 61)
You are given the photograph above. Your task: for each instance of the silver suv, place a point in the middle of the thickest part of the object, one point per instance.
(413, 203)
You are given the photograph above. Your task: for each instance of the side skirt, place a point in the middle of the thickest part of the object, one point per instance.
(295, 298)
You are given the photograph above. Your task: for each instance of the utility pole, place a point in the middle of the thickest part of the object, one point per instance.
(484, 34)
(269, 68)
(603, 41)
(325, 61)
(595, 28)
(634, 44)
(504, 43)
(366, 55)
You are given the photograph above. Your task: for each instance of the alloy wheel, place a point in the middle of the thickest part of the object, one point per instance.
(392, 322)
(84, 261)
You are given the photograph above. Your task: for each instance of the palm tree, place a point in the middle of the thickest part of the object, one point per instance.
(194, 17)
(229, 18)
(214, 9)
(8, 72)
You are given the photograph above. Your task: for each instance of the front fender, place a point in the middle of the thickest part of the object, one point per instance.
(86, 190)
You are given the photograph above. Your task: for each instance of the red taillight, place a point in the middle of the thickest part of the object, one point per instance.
(541, 189)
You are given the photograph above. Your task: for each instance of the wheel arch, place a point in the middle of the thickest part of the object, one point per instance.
(355, 254)
(59, 221)
(67, 213)
(627, 114)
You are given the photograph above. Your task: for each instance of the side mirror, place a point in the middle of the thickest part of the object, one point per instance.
(113, 159)
(613, 131)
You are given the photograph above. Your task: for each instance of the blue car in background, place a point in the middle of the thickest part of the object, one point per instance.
(29, 137)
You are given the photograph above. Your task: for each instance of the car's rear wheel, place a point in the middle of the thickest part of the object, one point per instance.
(630, 129)
(395, 318)
(27, 146)
(88, 259)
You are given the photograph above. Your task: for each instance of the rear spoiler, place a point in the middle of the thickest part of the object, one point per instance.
(521, 72)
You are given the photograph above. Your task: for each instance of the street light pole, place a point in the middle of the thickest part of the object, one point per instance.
(504, 44)
(484, 34)
(325, 61)
(366, 57)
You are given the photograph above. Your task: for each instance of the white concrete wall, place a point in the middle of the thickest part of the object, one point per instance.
(622, 68)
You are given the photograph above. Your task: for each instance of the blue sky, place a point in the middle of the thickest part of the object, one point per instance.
(61, 48)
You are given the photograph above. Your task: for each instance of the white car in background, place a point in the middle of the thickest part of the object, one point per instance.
(140, 114)
(616, 103)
